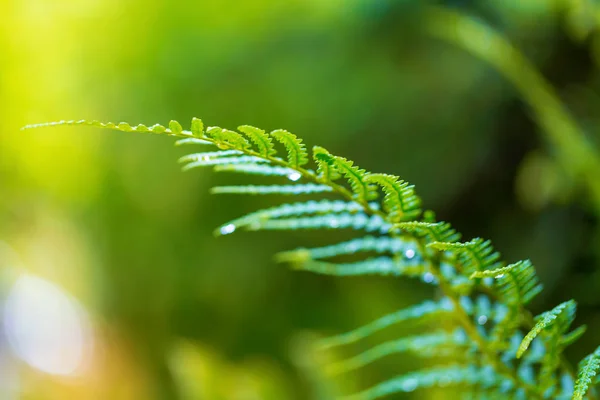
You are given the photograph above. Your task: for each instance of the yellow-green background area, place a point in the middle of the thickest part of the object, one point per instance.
(176, 313)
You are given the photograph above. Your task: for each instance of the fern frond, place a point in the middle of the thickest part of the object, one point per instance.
(294, 209)
(588, 369)
(363, 190)
(210, 162)
(475, 255)
(226, 139)
(212, 154)
(197, 127)
(379, 245)
(175, 127)
(426, 309)
(259, 169)
(325, 169)
(372, 266)
(560, 316)
(518, 283)
(327, 162)
(329, 221)
(297, 154)
(433, 231)
(121, 126)
(470, 276)
(400, 201)
(263, 142)
(430, 345)
(515, 285)
(186, 141)
(271, 189)
(441, 376)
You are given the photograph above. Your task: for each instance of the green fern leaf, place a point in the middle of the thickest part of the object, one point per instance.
(400, 200)
(561, 315)
(121, 126)
(588, 369)
(434, 232)
(430, 345)
(263, 142)
(290, 210)
(328, 164)
(211, 155)
(297, 154)
(271, 189)
(325, 169)
(363, 191)
(259, 169)
(186, 141)
(209, 162)
(417, 312)
(379, 245)
(518, 283)
(476, 255)
(372, 266)
(452, 375)
(226, 139)
(329, 221)
(197, 127)
(175, 127)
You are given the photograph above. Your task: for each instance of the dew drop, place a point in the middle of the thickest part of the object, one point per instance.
(45, 327)
(410, 253)
(482, 320)
(428, 277)
(227, 229)
(294, 176)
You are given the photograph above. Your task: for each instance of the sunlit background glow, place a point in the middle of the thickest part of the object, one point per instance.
(46, 327)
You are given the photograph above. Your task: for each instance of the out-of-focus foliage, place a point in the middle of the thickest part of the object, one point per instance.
(111, 220)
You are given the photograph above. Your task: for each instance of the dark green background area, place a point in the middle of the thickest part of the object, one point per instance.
(360, 78)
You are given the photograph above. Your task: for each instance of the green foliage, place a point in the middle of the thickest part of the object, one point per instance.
(272, 189)
(367, 244)
(256, 169)
(371, 266)
(330, 221)
(588, 368)
(426, 309)
(433, 231)
(324, 164)
(226, 139)
(472, 256)
(400, 201)
(310, 207)
(262, 141)
(426, 345)
(452, 375)
(517, 283)
(481, 299)
(555, 322)
(297, 155)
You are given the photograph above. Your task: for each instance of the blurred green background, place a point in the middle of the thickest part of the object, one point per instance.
(110, 220)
